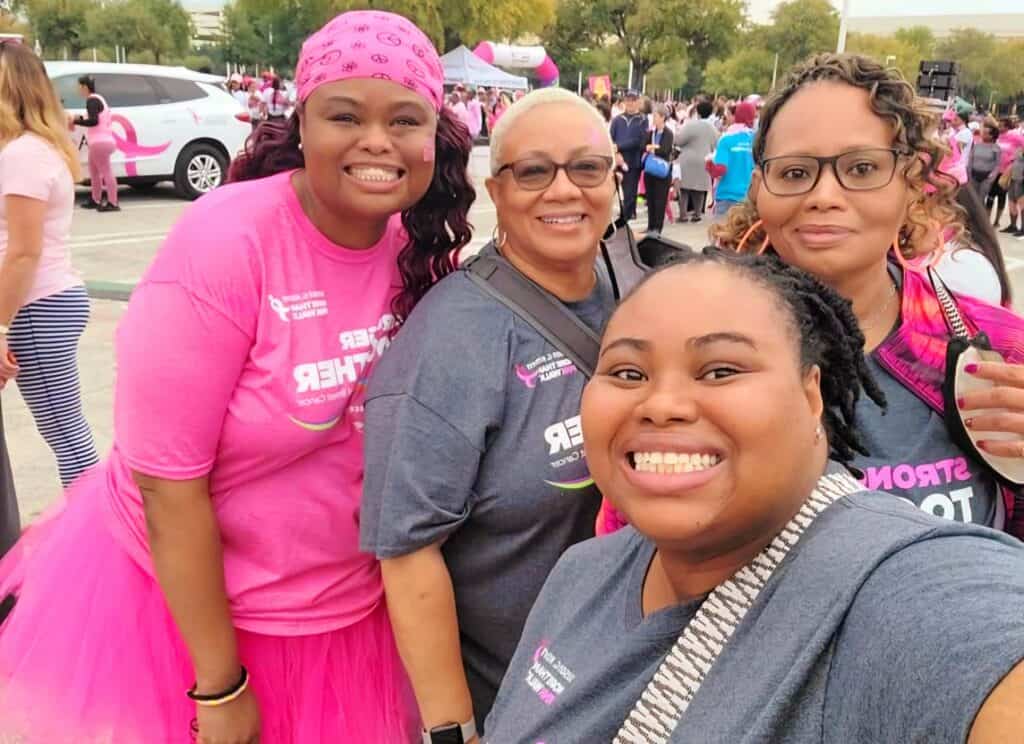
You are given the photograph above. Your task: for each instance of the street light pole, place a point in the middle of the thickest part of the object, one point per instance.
(843, 16)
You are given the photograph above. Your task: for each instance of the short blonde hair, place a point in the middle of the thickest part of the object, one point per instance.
(531, 101)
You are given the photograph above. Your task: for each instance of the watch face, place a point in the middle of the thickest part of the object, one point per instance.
(450, 733)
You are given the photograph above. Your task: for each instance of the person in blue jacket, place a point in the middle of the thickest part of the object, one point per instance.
(629, 133)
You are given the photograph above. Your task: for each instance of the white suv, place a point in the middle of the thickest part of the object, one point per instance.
(170, 123)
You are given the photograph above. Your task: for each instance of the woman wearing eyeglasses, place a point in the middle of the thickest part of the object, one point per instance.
(476, 480)
(847, 188)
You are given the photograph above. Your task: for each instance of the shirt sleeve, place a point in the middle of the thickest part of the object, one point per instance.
(420, 473)
(930, 634)
(178, 362)
(29, 167)
(93, 107)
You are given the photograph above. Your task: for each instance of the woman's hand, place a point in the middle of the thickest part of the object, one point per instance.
(8, 364)
(651, 148)
(237, 722)
(1006, 397)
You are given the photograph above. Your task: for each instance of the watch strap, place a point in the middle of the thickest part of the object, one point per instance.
(468, 730)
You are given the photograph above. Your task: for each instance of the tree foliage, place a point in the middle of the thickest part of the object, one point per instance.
(748, 70)
(800, 28)
(160, 27)
(60, 25)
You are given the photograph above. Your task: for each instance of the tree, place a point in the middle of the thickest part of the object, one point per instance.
(801, 28)
(60, 25)
(173, 27)
(748, 70)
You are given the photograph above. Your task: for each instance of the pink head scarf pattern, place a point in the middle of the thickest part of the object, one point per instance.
(371, 44)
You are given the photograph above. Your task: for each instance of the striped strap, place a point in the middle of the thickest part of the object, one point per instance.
(677, 679)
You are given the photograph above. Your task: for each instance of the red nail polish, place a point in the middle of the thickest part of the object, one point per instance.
(960, 403)
(968, 422)
(970, 368)
(982, 444)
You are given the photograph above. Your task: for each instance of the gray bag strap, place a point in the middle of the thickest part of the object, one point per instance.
(677, 679)
(535, 305)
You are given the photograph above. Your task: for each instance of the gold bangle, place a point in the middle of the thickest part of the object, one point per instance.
(227, 698)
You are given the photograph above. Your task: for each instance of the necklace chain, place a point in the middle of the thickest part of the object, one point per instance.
(880, 313)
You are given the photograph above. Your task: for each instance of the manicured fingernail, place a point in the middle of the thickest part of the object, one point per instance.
(982, 444)
(968, 422)
(970, 368)
(960, 403)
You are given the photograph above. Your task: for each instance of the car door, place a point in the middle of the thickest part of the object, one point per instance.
(182, 108)
(141, 135)
(71, 99)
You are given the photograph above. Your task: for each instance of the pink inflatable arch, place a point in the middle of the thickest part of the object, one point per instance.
(520, 57)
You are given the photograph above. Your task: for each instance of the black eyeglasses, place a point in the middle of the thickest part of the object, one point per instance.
(536, 174)
(856, 170)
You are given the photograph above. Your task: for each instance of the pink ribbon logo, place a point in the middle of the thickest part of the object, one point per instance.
(129, 144)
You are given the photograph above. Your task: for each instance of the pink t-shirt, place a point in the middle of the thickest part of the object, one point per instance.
(31, 166)
(1010, 143)
(244, 355)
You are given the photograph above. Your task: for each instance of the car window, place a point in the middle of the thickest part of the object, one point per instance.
(126, 90)
(67, 91)
(174, 90)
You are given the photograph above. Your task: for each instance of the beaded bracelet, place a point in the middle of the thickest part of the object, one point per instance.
(221, 698)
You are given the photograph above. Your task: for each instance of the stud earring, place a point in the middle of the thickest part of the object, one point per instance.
(817, 433)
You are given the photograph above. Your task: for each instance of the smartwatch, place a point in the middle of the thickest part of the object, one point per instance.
(450, 733)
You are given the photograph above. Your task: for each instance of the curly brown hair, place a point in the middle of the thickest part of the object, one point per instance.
(914, 132)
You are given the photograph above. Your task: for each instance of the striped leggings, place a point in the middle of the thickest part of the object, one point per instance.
(44, 340)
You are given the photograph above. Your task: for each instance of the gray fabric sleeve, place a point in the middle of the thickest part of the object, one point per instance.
(420, 472)
(931, 633)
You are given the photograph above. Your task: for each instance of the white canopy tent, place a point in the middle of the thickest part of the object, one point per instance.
(462, 66)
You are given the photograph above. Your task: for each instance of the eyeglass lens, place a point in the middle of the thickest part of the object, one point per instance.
(538, 173)
(858, 170)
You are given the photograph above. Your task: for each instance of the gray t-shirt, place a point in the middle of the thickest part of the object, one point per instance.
(883, 625)
(913, 457)
(473, 437)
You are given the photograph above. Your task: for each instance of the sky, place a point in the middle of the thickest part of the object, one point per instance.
(760, 9)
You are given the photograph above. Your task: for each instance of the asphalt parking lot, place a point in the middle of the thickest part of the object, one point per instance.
(113, 249)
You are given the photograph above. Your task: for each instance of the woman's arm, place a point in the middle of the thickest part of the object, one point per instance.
(93, 107)
(25, 216)
(664, 150)
(421, 603)
(1001, 718)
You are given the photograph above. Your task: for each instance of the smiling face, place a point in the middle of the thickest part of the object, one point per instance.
(368, 147)
(562, 224)
(699, 423)
(831, 232)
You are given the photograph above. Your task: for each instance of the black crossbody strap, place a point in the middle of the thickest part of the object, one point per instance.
(549, 317)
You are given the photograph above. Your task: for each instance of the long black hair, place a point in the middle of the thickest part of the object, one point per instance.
(983, 238)
(438, 224)
(827, 332)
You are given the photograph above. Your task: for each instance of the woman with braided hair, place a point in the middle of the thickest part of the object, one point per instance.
(760, 593)
(847, 187)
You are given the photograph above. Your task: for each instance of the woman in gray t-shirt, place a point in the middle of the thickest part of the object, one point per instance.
(811, 610)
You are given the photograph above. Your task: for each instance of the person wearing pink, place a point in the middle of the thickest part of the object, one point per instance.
(1011, 144)
(102, 146)
(476, 114)
(216, 549)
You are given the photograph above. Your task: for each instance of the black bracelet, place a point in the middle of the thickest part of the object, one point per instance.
(217, 696)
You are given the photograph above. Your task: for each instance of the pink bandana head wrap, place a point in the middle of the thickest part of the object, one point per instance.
(371, 44)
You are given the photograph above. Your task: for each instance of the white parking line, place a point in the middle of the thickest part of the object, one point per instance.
(93, 243)
(121, 234)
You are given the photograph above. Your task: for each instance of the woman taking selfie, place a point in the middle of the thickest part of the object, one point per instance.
(760, 593)
(216, 549)
(845, 189)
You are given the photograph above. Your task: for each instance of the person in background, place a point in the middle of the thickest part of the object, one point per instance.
(973, 263)
(659, 144)
(761, 593)
(237, 91)
(850, 188)
(275, 101)
(1015, 193)
(216, 549)
(1011, 144)
(696, 143)
(476, 113)
(733, 163)
(504, 100)
(475, 480)
(457, 103)
(255, 103)
(100, 138)
(44, 308)
(629, 134)
(984, 159)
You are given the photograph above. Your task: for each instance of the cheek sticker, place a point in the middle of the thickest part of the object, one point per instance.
(429, 153)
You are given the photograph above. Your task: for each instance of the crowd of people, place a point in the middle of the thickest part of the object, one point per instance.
(356, 496)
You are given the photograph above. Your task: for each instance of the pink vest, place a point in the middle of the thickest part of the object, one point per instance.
(102, 132)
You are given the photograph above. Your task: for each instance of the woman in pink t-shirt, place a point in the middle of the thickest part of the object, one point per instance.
(216, 550)
(43, 305)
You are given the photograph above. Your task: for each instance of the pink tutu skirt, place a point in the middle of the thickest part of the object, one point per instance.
(90, 654)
